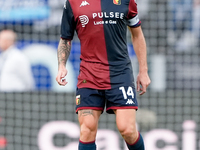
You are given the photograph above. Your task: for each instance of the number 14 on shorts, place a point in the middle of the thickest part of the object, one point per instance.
(127, 93)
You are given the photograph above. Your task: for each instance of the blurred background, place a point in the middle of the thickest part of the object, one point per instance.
(44, 119)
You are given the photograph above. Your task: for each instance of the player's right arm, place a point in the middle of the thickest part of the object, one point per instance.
(64, 48)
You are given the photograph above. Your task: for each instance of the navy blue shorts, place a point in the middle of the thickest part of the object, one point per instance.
(117, 98)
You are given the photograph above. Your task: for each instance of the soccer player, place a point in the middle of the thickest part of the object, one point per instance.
(106, 77)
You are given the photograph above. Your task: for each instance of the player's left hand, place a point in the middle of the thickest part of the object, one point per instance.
(143, 82)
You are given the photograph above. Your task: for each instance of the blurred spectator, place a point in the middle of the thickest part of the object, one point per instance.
(185, 24)
(182, 14)
(15, 69)
(196, 18)
(143, 8)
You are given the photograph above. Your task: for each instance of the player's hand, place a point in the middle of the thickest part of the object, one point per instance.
(143, 82)
(62, 72)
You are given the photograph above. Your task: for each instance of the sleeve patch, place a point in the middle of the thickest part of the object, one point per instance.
(134, 21)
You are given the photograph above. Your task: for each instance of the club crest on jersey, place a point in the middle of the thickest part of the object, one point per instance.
(117, 2)
(78, 99)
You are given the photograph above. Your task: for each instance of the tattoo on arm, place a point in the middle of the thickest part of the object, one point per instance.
(63, 52)
(85, 112)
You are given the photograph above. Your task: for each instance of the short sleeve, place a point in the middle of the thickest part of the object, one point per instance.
(133, 19)
(68, 24)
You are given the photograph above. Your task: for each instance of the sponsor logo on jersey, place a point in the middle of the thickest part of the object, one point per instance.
(109, 16)
(117, 2)
(130, 101)
(78, 99)
(84, 3)
(84, 20)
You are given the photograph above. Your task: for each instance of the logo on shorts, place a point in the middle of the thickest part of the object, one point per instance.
(130, 101)
(117, 2)
(84, 20)
(78, 99)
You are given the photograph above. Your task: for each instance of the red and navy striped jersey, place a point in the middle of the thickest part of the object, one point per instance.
(101, 26)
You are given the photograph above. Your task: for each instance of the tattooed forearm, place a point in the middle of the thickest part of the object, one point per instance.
(63, 52)
(85, 112)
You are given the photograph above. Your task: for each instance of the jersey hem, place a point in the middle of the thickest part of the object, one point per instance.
(91, 86)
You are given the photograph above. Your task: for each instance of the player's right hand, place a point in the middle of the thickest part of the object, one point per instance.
(62, 72)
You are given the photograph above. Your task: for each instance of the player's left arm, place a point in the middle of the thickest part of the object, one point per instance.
(139, 45)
